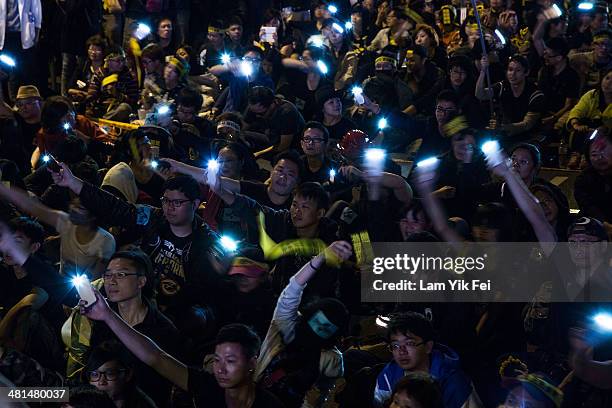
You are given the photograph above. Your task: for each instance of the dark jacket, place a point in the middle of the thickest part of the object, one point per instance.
(203, 259)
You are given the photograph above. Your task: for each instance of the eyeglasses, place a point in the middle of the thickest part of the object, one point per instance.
(405, 346)
(173, 203)
(445, 110)
(308, 140)
(24, 103)
(117, 275)
(110, 375)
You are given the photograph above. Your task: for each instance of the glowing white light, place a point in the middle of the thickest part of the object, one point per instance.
(332, 9)
(383, 123)
(332, 175)
(429, 162)
(225, 58)
(375, 155)
(78, 280)
(357, 90)
(142, 31)
(338, 28)
(212, 165)
(154, 164)
(593, 135)
(382, 321)
(348, 25)
(66, 126)
(246, 68)
(603, 321)
(557, 9)
(322, 67)
(164, 109)
(6, 60)
(228, 243)
(316, 41)
(500, 36)
(46, 158)
(490, 147)
(585, 6)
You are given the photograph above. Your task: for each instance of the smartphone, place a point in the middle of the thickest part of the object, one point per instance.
(53, 164)
(85, 290)
(268, 34)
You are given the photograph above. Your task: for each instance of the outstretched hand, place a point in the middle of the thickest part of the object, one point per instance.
(100, 310)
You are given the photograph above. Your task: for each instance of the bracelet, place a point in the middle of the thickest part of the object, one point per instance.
(312, 266)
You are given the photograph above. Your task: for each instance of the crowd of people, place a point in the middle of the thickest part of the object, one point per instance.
(188, 201)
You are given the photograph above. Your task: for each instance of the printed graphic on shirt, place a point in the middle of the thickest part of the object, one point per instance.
(168, 266)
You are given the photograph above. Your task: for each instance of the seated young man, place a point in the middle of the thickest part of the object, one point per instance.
(187, 255)
(411, 340)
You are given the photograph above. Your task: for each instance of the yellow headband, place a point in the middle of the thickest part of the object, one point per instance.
(383, 58)
(111, 79)
(212, 29)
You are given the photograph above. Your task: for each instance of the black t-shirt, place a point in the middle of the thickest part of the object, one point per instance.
(168, 267)
(321, 175)
(285, 120)
(337, 131)
(207, 393)
(259, 192)
(515, 108)
(557, 88)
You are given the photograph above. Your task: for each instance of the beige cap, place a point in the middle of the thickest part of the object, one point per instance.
(27, 91)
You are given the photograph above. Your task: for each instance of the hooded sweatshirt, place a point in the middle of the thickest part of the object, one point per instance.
(444, 367)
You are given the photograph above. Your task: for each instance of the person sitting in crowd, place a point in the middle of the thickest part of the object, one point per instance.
(128, 284)
(261, 156)
(411, 340)
(115, 71)
(170, 233)
(84, 247)
(317, 165)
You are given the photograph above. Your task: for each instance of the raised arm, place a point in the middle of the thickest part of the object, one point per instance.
(140, 345)
(528, 204)
(30, 205)
(482, 92)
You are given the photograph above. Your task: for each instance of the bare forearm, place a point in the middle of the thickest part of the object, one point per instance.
(482, 93)
(400, 187)
(29, 205)
(307, 271)
(595, 373)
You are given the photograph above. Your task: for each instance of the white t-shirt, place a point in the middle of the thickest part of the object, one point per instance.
(83, 256)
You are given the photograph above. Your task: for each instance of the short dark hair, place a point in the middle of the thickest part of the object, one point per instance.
(154, 52)
(53, 110)
(233, 116)
(313, 124)
(314, 191)
(399, 13)
(558, 45)
(88, 396)
(98, 41)
(139, 259)
(410, 322)
(533, 150)
(261, 95)
(449, 96)
(110, 350)
(519, 59)
(185, 184)
(30, 228)
(190, 98)
(70, 150)
(422, 388)
(292, 156)
(241, 334)
(255, 49)
(234, 20)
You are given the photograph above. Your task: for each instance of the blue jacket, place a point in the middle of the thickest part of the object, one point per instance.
(444, 367)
